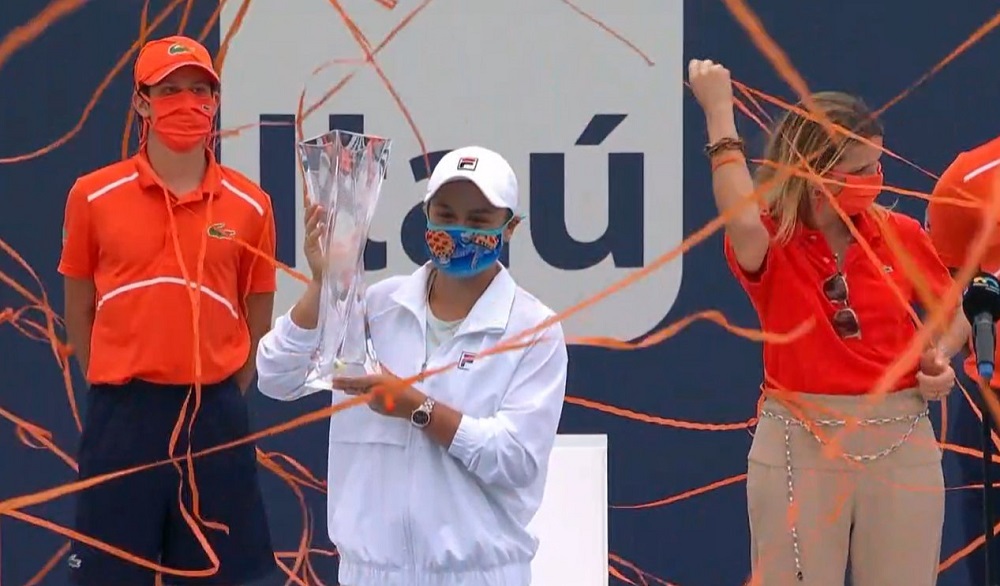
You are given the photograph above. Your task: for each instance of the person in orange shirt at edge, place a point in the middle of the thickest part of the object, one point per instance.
(809, 512)
(133, 234)
(971, 179)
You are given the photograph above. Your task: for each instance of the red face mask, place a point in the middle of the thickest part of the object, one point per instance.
(183, 121)
(859, 191)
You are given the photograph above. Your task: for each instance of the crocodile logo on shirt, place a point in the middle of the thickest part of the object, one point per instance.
(220, 231)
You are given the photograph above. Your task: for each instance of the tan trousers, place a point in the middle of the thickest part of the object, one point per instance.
(885, 512)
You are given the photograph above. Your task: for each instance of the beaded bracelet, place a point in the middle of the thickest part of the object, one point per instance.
(723, 144)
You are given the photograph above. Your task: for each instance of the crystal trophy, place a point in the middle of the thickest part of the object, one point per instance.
(343, 174)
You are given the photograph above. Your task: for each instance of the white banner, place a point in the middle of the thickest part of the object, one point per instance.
(572, 523)
(524, 78)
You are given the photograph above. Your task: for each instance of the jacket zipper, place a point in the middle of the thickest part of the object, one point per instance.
(407, 529)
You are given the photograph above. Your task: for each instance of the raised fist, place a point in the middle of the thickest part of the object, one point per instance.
(710, 84)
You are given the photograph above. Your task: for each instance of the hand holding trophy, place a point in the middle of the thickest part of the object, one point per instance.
(344, 173)
(315, 229)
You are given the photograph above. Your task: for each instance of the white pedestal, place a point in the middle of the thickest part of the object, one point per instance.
(572, 522)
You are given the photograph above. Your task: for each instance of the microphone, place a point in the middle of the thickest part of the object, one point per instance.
(981, 305)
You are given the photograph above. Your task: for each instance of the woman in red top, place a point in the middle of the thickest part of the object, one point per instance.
(878, 497)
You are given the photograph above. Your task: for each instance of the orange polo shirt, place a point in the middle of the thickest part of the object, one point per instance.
(971, 179)
(788, 290)
(118, 232)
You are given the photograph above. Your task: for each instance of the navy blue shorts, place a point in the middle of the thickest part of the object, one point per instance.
(130, 425)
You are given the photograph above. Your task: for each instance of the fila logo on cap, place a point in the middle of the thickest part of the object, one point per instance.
(467, 163)
(177, 49)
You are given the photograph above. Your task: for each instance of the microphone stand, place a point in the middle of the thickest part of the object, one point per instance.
(987, 486)
(981, 305)
(991, 414)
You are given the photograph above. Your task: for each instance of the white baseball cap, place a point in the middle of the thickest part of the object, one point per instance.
(490, 172)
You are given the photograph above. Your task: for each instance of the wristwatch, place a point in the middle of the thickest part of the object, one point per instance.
(421, 416)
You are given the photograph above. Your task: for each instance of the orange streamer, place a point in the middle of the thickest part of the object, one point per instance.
(297, 564)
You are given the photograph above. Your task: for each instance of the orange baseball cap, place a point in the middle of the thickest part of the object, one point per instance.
(161, 57)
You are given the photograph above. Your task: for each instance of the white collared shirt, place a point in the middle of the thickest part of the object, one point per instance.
(402, 510)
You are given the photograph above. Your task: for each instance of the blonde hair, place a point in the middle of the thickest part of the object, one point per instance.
(799, 146)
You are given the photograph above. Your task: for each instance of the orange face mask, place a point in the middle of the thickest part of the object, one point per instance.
(859, 191)
(183, 121)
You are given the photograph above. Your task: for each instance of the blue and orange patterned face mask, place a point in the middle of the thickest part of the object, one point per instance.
(463, 252)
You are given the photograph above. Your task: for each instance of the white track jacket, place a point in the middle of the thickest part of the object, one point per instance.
(402, 510)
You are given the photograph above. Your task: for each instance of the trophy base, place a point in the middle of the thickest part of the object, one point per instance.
(316, 379)
(355, 369)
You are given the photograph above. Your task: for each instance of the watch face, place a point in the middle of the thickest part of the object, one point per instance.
(421, 418)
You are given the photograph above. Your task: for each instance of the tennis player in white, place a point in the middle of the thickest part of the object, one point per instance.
(439, 490)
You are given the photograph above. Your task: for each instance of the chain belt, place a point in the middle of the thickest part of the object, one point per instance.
(789, 422)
